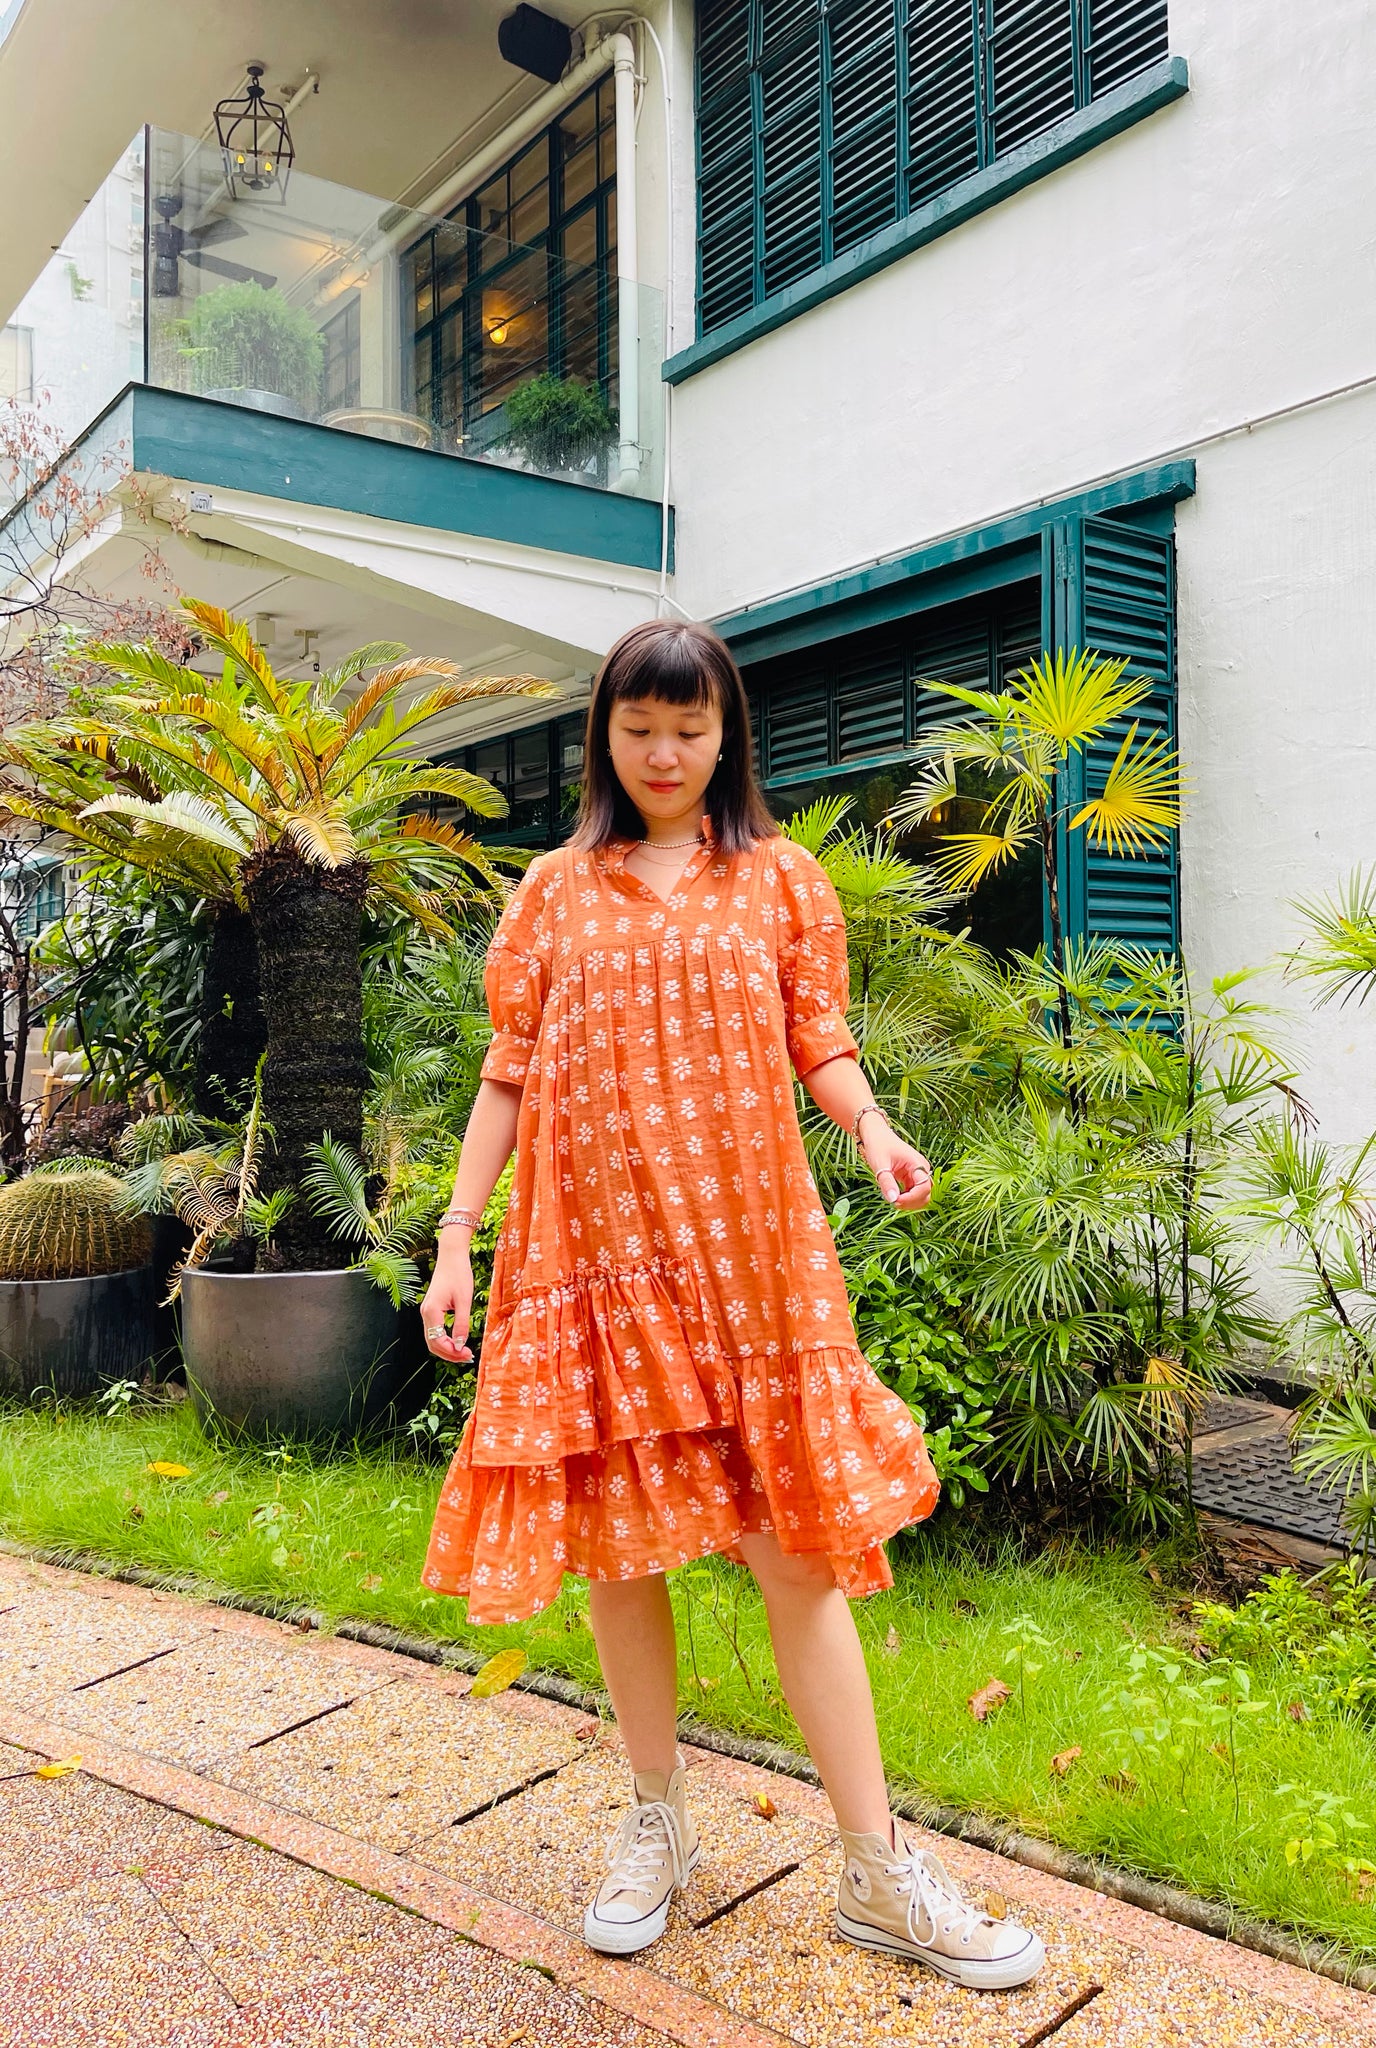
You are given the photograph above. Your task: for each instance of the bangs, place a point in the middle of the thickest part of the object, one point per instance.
(669, 665)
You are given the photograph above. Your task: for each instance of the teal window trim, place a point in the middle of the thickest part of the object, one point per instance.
(979, 558)
(1072, 137)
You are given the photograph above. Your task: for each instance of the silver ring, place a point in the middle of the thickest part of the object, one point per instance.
(438, 1331)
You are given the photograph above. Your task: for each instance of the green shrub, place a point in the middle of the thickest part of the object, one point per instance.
(241, 336)
(914, 1330)
(1329, 1645)
(557, 423)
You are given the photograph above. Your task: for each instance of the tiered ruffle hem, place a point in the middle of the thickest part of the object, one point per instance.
(613, 1436)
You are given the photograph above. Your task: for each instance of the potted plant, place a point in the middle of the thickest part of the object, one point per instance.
(248, 344)
(557, 424)
(76, 1281)
(272, 1352)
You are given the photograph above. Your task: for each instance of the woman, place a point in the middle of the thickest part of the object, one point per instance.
(669, 1367)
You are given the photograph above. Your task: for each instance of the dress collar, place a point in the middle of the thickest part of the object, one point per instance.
(614, 851)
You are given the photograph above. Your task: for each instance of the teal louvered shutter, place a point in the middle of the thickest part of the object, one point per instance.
(863, 106)
(821, 122)
(1029, 68)
(727, 266)
(790, 89)
(1123, 590)
(943, 109)
(871, 712)
(1121, 37)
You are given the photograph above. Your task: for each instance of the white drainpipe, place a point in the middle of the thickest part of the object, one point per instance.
(627, 267)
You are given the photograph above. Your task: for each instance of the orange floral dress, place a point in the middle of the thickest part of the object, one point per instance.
(668, 1360)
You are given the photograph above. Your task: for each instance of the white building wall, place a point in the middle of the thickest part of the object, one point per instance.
(1213, 265)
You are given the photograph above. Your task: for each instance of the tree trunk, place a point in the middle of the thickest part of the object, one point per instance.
(309, 926)
(233, 1034)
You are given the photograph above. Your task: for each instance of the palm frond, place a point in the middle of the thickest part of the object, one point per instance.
(1139, 805)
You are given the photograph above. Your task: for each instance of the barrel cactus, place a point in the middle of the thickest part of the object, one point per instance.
(68, 1223)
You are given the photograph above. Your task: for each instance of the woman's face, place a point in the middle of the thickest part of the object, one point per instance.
(664, 755)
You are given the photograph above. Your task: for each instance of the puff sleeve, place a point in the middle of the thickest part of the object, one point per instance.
(516, 980)
(814, 967)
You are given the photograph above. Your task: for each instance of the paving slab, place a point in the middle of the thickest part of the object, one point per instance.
(402, 1762)
(213, 1698)
(336, 1900)
(99, 1962)
(53, 1640)
(59, 1832)
(544, 1850)
(456, 1995)
(1158, 2004)
(267, 1927)
(777, 1959)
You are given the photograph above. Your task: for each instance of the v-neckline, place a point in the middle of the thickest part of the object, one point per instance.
(614, 863)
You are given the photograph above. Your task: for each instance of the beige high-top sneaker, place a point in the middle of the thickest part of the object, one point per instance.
(900, 1899)
(652, 1854)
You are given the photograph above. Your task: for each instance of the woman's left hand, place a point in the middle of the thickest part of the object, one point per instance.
(897, 1166)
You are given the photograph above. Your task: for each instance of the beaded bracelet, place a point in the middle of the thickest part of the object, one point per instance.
(855, 1127)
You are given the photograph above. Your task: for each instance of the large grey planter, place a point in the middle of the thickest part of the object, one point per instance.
(293, 1354)
(74, 1336)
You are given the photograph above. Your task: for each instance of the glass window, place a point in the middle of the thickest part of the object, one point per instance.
(342, 358)
(16, 364)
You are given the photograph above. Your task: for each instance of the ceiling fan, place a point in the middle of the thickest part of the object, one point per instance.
(174, 245)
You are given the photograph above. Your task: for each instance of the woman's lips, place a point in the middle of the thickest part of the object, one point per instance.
(663, 785)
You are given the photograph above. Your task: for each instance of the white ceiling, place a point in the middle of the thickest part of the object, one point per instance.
(284, 605)
(407, 90)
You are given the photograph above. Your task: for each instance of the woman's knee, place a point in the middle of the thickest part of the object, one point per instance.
(806, 1571)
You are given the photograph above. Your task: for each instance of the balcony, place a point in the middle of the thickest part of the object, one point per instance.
(325, 308)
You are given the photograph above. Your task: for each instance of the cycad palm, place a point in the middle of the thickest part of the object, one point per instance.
(1022, 738)
(297, 802)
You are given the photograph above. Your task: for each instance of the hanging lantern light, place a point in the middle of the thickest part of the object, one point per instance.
(255, 141)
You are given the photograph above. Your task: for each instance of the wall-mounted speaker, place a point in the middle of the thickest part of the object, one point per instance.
(536, 42)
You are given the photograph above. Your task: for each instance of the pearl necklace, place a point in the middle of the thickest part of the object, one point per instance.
(696, 841)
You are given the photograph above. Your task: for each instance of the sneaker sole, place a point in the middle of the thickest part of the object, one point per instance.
(627, 1938)
(974, 1976)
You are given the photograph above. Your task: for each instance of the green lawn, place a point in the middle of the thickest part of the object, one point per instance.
(1174, 1779)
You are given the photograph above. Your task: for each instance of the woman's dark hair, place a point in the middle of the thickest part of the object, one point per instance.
(679, 663)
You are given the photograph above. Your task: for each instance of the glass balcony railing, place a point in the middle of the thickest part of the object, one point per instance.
(369, 318)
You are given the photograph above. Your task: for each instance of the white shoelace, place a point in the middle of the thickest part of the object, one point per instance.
(931, 1892)
(636, 1852)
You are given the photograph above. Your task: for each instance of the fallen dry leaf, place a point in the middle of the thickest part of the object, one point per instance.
(586, 1731)
(217, 1500)
(1297, 1710)
(893, 1642)
(1220, 1750)
(1361, 1884)
(764, 1806)
(1119, 1781)
(371, 1582)
(1063, 1759)
(60, 1769)
(989, 1697)
(996, 1905)
(165, 1469)
(134, 1513)
(497, 1674)
(965, 1607)
(1073, 1656)
(354, 1556)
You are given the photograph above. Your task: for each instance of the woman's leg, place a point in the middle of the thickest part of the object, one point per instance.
(822, 1671)
(633, 1627)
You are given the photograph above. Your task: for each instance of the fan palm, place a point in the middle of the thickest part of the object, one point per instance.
(1021, 739)
(297, 802)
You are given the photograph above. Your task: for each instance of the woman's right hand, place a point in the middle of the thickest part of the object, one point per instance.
(449, 1292)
